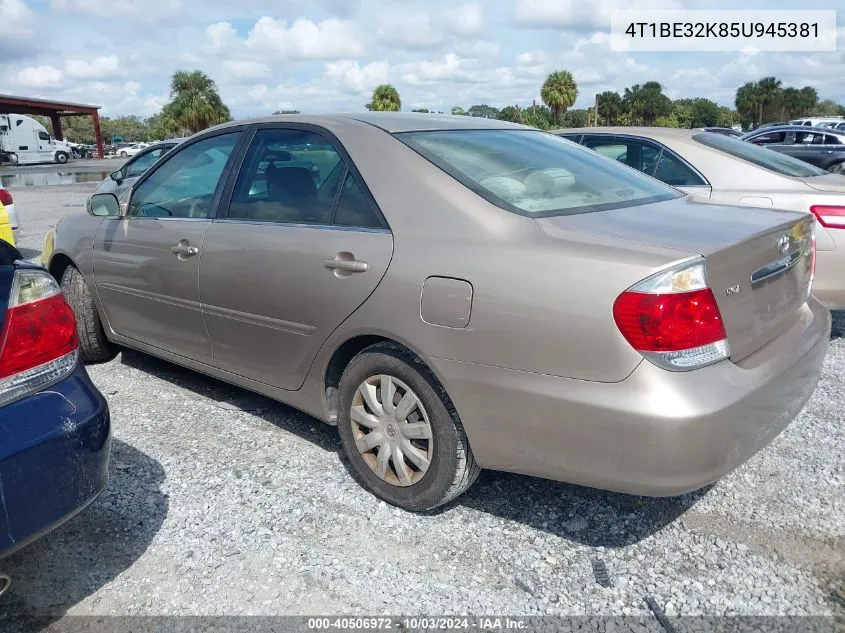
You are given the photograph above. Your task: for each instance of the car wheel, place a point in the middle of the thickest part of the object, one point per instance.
(61, 158)
(837, 169)
(94, 347)
(401, 435)
(123, 154)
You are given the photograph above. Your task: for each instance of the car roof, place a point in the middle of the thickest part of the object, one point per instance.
(390, 121)
(657, 133)
(793, 128)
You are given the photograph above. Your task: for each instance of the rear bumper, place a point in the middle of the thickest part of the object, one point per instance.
(829, 285)
(656, 433)
(54, 458)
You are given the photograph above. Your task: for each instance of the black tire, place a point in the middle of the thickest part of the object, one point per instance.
(839, 168)
(94, 347)
(62, 158)
(453, 468)
(123, 154)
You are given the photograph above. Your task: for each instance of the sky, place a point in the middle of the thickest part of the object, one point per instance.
(328, 55)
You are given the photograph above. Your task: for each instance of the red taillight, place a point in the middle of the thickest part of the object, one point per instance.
(6, 197)
(829, 216)
(669, 322)
(38, 339)
(36, 333)
(672, 319)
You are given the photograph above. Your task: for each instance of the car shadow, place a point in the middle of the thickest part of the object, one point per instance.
(584, 515)
(29, 253)
(837, 329)
(74, 561)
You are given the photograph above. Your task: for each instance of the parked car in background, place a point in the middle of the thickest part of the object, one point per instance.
(727, 131)
(131, 150)
(457, 293)
(8, 201)
(771, 124)
(730, 171)
(816, 121)
(821, 147)
(122, 179)
(54, 424)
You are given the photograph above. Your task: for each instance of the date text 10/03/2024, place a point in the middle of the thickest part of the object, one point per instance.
(418, 624)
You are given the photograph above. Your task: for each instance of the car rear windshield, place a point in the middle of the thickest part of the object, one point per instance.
(760, 156)
(534, 173)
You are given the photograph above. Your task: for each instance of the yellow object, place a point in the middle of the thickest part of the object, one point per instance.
(5, 226)
(49, 242)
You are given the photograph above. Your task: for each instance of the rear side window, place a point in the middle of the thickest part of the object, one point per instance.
(533, 173)
(760, 156)
(673, 171)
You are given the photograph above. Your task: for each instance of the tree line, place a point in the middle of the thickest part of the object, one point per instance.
(195, 105)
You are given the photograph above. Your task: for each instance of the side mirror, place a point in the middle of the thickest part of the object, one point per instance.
(104, 205)
(117, 176)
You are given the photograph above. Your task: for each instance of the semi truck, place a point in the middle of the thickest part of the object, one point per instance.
(24, 141)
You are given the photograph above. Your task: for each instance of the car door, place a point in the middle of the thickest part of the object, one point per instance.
(300, 246)
(146, 263)
(807, 146)
(834, 150)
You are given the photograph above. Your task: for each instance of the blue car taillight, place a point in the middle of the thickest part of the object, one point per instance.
(38, 341)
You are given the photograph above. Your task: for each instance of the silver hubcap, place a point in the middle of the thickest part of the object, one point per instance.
(392, 431)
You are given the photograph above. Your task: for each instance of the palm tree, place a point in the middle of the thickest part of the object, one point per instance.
(385, 99)
(610, 106)
(195, 103)
(769, 90)
(634, 101)
(559, 92)
(749, 104)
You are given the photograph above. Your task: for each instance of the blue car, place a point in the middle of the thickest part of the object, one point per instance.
(55, 430)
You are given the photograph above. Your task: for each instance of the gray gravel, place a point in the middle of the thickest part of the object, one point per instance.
(224, 502)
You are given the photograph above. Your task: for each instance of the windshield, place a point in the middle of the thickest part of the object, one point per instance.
(534, 173)
(760, 156)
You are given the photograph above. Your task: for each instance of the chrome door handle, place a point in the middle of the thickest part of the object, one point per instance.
(346, 265)
(184, 249)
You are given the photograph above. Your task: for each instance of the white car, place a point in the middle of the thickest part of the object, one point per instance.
(125, 152)
(8, 202)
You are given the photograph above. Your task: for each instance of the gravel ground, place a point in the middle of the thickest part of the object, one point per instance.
(224, 502)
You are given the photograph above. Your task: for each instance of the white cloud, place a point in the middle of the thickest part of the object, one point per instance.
(148, 11)
(38, 77)
(354, 78)
(98, 68)
(15, 12)
(410, 32)
(467, 19)
(304, 39)
(221, 35)
(244, 70)
(531, 58)
(576, 14)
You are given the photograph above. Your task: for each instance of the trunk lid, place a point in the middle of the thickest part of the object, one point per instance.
(758, 261)
(830, 183)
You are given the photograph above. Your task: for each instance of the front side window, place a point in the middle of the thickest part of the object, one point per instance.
(143, 162)
(533, 173)
(184, 186)
(288, 176)
(44, 136)
(760, 156)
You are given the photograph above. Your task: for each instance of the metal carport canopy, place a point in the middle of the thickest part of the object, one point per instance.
(55, 110)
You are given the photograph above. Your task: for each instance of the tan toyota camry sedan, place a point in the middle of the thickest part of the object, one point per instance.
(457, 293)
